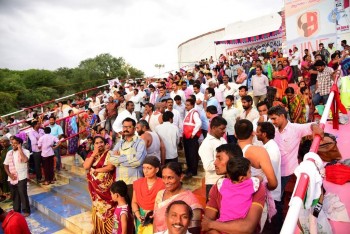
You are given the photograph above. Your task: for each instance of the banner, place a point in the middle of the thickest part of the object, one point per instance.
(274, 44)
(308, 23)
(340, 16)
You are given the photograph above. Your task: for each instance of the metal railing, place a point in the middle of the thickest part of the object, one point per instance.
(296, 202)
(41, 105)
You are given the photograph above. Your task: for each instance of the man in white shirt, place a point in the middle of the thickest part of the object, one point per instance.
(249, 113)
(294, 62)
(95, 104)
(177, 91)
(128, 112)
(266, 133)
(207, 150)
(227, 88)
(170, 135)
(230, 114)
(180, 106)
(136, 99)
(177, 120)
(199, 97)
(16, 167)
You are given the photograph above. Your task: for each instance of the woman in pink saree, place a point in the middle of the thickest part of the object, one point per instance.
(172, 175)
(100, 178)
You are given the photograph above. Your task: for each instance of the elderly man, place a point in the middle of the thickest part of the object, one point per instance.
(241, 76)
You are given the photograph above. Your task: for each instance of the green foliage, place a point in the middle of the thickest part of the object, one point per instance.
(7, 102)
(19, 89)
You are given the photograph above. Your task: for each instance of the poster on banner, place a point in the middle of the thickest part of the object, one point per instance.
(340, 15)
(308, 23)
(274, 45)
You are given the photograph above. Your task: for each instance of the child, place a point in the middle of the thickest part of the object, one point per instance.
(63, 145)
(47, 143)
(123, 219)
(237, 190)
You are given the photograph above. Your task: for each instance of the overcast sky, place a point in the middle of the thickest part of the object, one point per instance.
(48, 34)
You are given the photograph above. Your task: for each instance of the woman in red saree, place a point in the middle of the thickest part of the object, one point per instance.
(280, 81)
(100, 178)
(305, 67)
(296, 106)
(288, 70)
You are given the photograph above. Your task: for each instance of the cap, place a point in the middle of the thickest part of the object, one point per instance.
(331, 42)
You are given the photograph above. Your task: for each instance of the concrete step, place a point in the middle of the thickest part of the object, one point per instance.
(72, 216)
(74, 167)
(40, 223)
(74, 194)
(194, 182)
(73, 179)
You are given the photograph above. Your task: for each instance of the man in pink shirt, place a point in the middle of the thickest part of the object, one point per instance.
(288, 136)
(47, 143)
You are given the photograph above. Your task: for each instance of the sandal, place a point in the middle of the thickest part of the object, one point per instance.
(52, 182)
(46, 183)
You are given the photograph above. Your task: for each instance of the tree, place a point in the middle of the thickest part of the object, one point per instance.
(20, 89)
(35, 78)
(105, 64)
(7, 102)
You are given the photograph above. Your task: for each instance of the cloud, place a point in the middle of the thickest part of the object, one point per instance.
(58, 33)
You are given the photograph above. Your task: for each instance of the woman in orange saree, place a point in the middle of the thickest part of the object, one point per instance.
(100, 178)
(280, 81)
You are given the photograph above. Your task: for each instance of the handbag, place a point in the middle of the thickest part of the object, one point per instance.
(328, 149)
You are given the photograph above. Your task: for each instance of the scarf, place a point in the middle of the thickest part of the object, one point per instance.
(12, 168)
(145, 196)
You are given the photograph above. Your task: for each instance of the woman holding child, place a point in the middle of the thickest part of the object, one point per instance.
(100, 178)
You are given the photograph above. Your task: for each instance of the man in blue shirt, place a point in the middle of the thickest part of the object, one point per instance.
(210, 99)
(56, 130)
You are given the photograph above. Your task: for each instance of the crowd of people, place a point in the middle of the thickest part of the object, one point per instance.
(242, 116)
